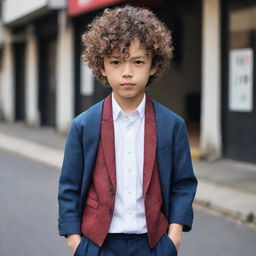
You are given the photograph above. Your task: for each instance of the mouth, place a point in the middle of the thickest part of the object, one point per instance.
(127, 84)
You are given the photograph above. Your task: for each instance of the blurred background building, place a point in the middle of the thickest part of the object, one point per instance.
(210, 81)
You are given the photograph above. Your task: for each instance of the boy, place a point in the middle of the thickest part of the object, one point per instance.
(127, 182)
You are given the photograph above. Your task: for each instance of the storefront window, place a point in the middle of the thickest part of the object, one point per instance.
(238, 87)
(241, 55)
(242, 27)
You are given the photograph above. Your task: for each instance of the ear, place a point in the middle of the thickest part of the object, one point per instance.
(102, 70)
(153, 70)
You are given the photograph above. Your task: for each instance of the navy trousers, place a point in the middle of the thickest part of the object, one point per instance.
(126, 245)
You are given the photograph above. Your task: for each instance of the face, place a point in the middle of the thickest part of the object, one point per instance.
(128, 77)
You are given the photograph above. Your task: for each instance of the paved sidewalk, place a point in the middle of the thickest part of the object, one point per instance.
(228, 187)
(224, 185)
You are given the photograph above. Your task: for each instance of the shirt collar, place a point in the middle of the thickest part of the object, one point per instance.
(117, 109)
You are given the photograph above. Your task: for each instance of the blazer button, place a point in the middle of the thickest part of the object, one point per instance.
(110, 211)
(111, 191)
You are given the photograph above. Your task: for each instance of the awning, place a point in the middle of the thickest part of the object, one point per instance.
(16, 13)
(76, 7)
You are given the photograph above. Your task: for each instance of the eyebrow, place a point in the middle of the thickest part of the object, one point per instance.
(135, 57)
(114, 57)
(139, 57)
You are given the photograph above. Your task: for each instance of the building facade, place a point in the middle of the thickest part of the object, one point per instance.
(36, 73)
(210, 81)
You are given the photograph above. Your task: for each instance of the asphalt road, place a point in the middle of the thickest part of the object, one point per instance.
(28, 217)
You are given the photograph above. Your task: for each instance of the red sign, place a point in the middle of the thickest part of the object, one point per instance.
(76, 7)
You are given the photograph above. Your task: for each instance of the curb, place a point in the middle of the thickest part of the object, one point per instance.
(228, 201)
(44, 154)
(249, 218)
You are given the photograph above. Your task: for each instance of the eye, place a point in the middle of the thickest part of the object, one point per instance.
(115, 62)
(139, 62)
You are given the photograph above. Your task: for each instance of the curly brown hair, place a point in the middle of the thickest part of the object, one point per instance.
(116, 28)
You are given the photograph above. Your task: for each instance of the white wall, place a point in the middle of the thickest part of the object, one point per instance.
(210, 139)
(65, 70)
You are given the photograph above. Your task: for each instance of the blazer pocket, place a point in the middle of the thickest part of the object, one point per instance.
(91, 202)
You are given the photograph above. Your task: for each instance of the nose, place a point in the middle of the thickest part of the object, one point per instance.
(127, 70)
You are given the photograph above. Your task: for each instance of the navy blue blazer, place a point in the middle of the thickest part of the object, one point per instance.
(178, 182)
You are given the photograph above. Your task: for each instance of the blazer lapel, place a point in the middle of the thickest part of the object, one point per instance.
(149, 144)
(108, 139)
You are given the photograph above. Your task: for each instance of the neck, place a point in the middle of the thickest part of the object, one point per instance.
(128, 104)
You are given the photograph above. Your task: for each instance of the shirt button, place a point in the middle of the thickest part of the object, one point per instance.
(128, 128)
(110, 211)
(130, 212)
(129, 192)
(130, 170)
(129, 152)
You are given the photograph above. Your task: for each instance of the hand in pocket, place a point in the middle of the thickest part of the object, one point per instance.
(73, 242)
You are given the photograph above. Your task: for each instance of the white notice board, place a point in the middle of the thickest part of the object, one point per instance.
(241, 80)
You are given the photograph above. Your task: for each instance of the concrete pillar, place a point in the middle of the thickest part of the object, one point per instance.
(31, 79)
(210, 138)
(7, 93)
(1, 82)
(65, 84)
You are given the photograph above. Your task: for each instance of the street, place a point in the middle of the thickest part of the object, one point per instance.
(28, 223)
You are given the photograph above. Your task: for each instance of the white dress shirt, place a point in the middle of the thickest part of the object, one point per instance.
(129, 210)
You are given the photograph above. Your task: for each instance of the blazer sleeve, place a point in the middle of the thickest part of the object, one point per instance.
(184, 182)
(70, 184)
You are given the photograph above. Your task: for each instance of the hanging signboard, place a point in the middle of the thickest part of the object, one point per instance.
(76, 7)
(241, 80)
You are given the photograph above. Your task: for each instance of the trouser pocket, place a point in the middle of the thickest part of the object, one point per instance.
(171, 245)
